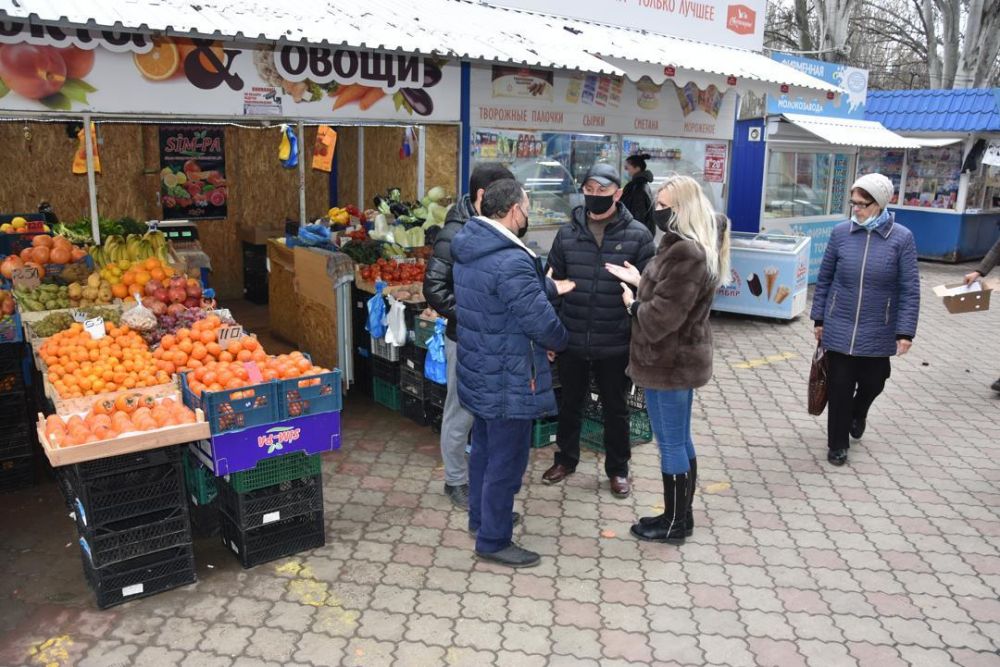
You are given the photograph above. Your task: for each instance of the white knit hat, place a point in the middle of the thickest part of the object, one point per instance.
(878, 186)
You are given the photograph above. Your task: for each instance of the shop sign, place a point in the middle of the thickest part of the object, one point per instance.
(193, 172)
(738, 24)
(542, 100)
(715, 163)
(115, 72)
(850, 103)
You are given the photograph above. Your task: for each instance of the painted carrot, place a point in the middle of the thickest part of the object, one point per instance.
(349, 93)
(371, 97)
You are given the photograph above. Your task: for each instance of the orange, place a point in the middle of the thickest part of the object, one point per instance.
(186, 46)
(161, 63)
(226, 356)
(150, 264)
(119, 290)
(167, 341)
(244, 355)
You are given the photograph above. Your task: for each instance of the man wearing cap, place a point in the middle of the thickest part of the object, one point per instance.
(601, 232)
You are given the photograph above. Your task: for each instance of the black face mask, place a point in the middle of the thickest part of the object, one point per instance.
(597, 204)
(662, 217)
(521, 231)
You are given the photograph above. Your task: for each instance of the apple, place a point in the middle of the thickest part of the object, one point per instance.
(79, 62)
(32, 71)
(152, 286)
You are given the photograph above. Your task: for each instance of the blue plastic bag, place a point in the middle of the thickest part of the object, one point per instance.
(376, 324)
(435, 364)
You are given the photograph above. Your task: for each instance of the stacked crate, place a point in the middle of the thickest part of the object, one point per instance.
(202, 491)
(544, 430)
(274, 510)
(422, 400)
(592, 428)
(362, 353)
(17, 445)
(132, 517)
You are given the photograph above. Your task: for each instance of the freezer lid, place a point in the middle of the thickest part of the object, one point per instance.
(768, 242)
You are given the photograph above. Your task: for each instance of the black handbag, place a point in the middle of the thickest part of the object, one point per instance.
(817, 381)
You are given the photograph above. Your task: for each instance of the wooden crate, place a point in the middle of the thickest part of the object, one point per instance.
(71, 406)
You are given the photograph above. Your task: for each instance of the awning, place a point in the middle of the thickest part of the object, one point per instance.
(849, 132)
(447, 28)
(932, 142)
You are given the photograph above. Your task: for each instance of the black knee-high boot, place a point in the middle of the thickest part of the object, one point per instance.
(692, 484)
(670, 526)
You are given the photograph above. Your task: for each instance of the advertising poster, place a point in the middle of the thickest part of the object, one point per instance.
(852, 81)
(46, 68)
(193, 172)
(932, 177)
(715, 163)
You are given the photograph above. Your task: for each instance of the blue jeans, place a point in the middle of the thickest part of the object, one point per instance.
(500, 449)
(670, 416)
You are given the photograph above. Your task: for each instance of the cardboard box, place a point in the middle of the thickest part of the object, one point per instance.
(958, 298)
(260, 235)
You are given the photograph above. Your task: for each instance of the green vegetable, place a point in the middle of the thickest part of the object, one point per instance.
(436, 194)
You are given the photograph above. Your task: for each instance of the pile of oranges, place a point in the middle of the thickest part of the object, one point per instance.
(80, 366)
(223, 375)
(109, 418)
(138, 273)
(194, 348)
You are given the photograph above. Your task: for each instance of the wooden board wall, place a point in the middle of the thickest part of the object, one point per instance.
(441, 163)
(383, 167)
(347, 167)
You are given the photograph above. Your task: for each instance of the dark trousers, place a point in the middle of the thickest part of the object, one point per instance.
(612, 385)
(500, 449)
(853, 384)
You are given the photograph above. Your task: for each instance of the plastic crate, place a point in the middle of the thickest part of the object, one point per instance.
(136, 536)
(116, 498)
(384, 350)
(142, 576)
(543, 432)
(125, 463)
(204, 520)
(254, 509)
(17, 441)
(640, 431)
(386, 370)
(17, 473)
(276, 470)
(273, 541)
(435, 394)
(385, 394)
(13, 244)
(412, 357)
(11, 373)
(199, 480)
(14, 409)
(362, 374)
(310, 395)
(236, 409)
(412, 383)
(419, 411)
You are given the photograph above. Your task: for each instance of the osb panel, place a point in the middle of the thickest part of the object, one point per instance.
(319, 332)
(283, 301)
(383, 167)
(347, 168)
(441, 161)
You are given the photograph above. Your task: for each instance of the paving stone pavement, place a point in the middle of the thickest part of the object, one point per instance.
(891, 560)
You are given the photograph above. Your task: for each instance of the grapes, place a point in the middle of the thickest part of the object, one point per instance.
(168, 324)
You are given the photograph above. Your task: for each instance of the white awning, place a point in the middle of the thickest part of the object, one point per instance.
(849, 132)
(932, 142)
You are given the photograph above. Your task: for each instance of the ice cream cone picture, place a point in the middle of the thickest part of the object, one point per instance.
(782, 294)
(770, 276)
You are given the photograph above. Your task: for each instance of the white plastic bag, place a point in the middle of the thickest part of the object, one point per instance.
(395, 335)
(139, 317)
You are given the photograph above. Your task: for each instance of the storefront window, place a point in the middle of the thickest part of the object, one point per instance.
(550, 165)
(984, 189)
(932, 176)
(886, 162)
(802, 185)
(704, 161)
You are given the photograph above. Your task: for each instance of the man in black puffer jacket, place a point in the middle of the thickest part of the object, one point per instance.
(439, 290)
(601, 232)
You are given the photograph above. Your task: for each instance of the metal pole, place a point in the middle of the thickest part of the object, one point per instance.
(421, 162)
(361, 168)
(88, 140)
(302, 175)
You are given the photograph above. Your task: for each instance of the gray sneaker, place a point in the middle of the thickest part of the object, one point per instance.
(514, 517)
(511, 556)
(459, 495)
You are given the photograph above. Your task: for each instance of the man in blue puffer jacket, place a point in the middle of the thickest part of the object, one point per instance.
(866, 307)
(505, 325)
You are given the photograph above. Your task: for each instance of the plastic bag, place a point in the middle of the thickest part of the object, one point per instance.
(435, 364)
(396, 333)
(376, 325)
(138, 317)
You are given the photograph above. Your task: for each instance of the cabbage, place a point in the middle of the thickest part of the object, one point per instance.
(436, 194)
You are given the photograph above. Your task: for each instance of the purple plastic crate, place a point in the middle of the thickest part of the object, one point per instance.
(238, 451)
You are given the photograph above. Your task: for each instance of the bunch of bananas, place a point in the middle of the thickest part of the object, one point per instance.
(134, 247)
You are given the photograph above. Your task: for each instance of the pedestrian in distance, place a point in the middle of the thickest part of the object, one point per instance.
(506, 322)
(671, 351)
(637, 195)
(988, 264)
(601, 232)
(439, 290)
(865, 308)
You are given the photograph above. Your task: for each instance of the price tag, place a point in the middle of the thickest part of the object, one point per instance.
(26, 278)
(229, 333)
(95, 327)
(253, 372)
(79, 316)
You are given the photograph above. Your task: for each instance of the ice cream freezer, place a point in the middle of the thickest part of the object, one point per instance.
(769, 276)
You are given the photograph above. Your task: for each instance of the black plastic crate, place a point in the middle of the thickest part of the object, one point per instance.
(114, 498)
(18, 440)
(412, 357)
(385, 370)
(362, 374)
(204, 520)
(11, 350)
(273, 503)
(17, 473)
(412, 383)
(117, 465)
(11, 374)
(136, 536)
(14, 409)
(435, 394)
(142, 576)
(419, 411)
(273, 541)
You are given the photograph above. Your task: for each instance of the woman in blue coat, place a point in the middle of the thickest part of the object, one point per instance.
(866, 306)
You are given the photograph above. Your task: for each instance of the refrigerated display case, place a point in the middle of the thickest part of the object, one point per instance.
(769, 276)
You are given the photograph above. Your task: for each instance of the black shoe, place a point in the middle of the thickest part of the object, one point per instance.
(671, 526)
(511, 556)
(858, 428)
(689, 520)
(458, 495)
(837, 457)
(514, 517)
(995, 386)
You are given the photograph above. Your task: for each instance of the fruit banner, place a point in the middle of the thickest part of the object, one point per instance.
(192, 172)
(85, 70)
